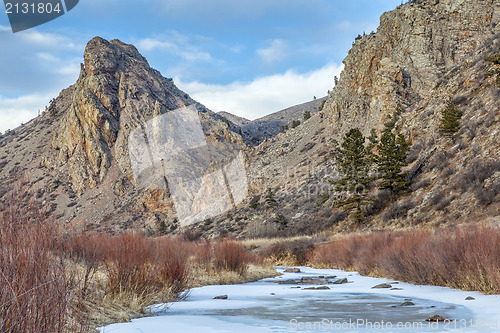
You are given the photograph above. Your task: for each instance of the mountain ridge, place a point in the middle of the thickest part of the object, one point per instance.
(73, 160)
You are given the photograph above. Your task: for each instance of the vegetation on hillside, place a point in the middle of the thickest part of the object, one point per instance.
(366, 162)
(450, 120)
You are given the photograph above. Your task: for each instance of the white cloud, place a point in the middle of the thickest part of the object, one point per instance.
(276, 51)
(14, 111)
(176, 44)
(263, 95)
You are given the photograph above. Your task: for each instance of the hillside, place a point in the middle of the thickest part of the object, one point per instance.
(73, 160)
(422, 54)
(256, 131)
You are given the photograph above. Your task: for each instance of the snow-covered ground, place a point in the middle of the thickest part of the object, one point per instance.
(266, 306)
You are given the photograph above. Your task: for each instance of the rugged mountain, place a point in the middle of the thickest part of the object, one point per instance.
(422, 54)
(236, 120)
(260, 129)
(74, 158)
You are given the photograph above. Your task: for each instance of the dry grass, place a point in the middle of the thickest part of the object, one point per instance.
(467, 258)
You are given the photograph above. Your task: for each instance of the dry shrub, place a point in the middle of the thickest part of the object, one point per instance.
(133, 263)
(289, 252)
(467, 258)
(398, 209)
(36, 287)
(230, 255)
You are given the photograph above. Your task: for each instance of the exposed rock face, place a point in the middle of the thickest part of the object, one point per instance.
(84, 144)
(402, 63)
(74, 157)
(116, 91)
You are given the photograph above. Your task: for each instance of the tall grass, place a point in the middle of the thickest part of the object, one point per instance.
(467, 258)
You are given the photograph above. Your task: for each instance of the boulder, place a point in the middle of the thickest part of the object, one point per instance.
(381, 286)
(317, 288)
(221, 297)
(436, 317)
(340, 281)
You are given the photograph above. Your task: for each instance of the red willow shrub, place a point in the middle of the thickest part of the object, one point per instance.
(467, 258)
(35, 285)
(230, 255)
(134, 263)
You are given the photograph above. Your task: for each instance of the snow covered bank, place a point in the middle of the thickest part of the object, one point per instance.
(267, 306)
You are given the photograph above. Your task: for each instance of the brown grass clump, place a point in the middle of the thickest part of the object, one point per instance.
(467, 258)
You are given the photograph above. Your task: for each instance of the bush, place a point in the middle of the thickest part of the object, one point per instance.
(420, 184)
(229, 255)
(37, 289)
(477, 172)
(415, 150)
(398, 209)
(295, 123)
(468, 258)
(291, 253)
(440, 159)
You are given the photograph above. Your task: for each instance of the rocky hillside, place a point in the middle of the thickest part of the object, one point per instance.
(73, 159)
(422, 54)
(267, 127)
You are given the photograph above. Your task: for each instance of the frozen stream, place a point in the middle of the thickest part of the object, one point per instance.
(268, 306)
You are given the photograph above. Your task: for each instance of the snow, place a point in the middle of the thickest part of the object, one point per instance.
(351, 307)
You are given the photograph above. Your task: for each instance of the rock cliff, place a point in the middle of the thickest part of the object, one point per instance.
(74, 158)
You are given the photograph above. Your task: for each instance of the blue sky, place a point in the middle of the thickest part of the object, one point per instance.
(246, 57)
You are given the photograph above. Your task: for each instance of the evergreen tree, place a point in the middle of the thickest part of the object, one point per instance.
(391, 158)
(354, 160)
(269, 198)
(307, 115)
(450, 119)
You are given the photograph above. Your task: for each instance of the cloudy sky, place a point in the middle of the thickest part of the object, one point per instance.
(248, 57)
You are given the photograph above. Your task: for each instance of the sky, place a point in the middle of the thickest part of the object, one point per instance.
(247, 57)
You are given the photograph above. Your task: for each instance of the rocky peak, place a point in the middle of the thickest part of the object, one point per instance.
(103, 57)
(117, 90)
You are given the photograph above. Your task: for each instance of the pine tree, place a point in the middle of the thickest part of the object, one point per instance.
(391, 158)
(354, 160)
(450, 119)
(269, 198)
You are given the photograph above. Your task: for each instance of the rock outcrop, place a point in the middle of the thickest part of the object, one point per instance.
(74, 161)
